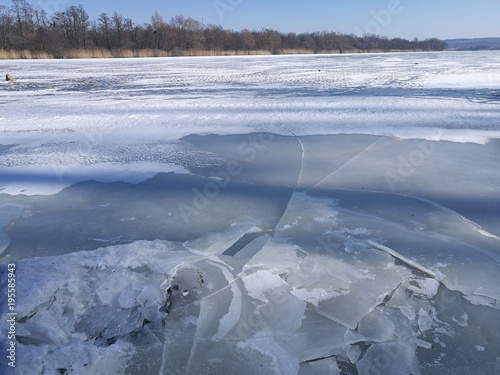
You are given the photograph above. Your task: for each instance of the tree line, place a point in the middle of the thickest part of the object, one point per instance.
(26, 27)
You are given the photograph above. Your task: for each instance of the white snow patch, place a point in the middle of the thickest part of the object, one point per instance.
(48, 180)
(427, 288)
(260, 283)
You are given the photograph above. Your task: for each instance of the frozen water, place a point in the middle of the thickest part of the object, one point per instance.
(425, 322)
(427, 288)
(84, 115)
(376, 327)
(325, 338)
(8, 213)
(342, 221)
(325, 366)
(392, 357)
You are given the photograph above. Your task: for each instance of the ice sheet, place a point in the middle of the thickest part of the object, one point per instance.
(279, 252)
(289, 307)
(85, 112)
(289, 276)
(8, 213)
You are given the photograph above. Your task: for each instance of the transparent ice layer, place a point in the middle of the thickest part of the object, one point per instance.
(141, 249)
(304, 275)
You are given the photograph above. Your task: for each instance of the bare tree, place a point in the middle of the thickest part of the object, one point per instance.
(291, 41)
(160, 30)
(80, 24)
(308, 41)
(118, 30)
(41, 29)
(6, 25)
(104, 27)
(23, 26)
(23, 14)
(268, 39)
(246, 40)
(73, 24)
(216, 38)
(20, 9)
(189, 32)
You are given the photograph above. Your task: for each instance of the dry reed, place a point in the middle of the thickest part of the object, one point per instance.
(106, 54)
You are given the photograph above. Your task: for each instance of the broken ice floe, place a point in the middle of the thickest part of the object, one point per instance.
(320, 296)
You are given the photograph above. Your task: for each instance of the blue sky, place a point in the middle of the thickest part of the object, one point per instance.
(393, 18)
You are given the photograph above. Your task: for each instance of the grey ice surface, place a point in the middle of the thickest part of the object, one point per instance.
(268, 260)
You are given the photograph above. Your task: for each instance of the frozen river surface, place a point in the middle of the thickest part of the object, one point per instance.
(253, 215)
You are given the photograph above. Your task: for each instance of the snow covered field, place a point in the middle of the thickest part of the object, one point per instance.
(253, 215)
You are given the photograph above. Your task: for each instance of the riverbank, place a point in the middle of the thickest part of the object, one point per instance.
(103, 54)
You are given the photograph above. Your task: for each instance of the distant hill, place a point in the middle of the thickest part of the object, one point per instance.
(473, 44)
